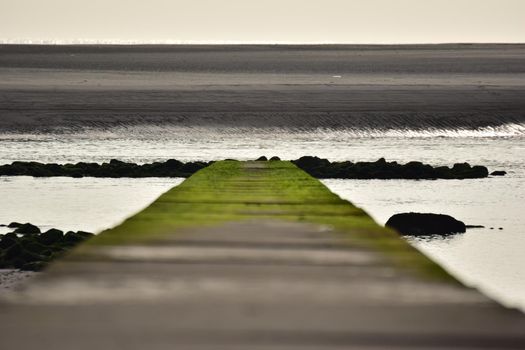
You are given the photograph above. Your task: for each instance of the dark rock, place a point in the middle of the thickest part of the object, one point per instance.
(478, 172)
(27, 256)
(174, 163)
(16, 263)
(48, 253)
(317, 167)
(115, 169)
(498, 173)
(28, 229)
(261, 159)
(8, 240)
(13, 251)
(310, 162)
(465, 171)
(419, 224)
(381, 169)
(117, 162)
(33, 266)
(274, 159)
(32, 246)
(73, 237)
(32, 251)
(191, 168)
(85, 234)
(14, 225)
(51, 236)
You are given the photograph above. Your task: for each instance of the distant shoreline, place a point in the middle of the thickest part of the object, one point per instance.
(256, 43)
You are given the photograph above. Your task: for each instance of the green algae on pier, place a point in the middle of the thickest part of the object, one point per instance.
(252, 255)
(230, 191)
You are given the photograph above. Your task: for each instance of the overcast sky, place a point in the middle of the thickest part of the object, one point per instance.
(336, 21)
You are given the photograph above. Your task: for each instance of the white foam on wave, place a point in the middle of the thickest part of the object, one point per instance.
(506, 130)
(157, 133)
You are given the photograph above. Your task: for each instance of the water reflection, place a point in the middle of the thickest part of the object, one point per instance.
(491, 260)
(442, 239)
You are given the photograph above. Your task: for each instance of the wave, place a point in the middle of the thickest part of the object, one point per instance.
(173, 132)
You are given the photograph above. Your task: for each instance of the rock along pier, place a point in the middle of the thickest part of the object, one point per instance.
(252, 255)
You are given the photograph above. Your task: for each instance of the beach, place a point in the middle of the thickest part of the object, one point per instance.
(303, 87)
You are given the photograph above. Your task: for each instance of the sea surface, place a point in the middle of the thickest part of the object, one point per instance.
(490, 259)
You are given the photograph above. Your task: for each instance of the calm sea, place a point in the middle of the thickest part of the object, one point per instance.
(489, 259)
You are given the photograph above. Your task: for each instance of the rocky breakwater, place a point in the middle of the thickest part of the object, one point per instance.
(27, 248)
(316, 167)
(114, 169)
(381, 169)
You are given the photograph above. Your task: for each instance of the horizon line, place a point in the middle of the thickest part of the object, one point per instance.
(235, 42)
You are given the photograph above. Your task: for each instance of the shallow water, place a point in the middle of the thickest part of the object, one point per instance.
(87, 204)
(499, 146)
(491, 260)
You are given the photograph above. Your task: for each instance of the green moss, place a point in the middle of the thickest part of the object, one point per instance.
(232, 191)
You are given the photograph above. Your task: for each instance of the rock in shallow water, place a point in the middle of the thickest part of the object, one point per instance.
(424, 224)
(33, 251)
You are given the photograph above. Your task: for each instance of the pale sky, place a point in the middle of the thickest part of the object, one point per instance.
(307, 21)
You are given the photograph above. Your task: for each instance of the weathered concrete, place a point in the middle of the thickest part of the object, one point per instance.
(252, 256)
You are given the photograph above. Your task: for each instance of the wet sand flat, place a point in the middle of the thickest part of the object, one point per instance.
(262, 86)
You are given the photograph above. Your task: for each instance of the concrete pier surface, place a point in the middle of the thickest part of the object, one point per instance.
(252, 255)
